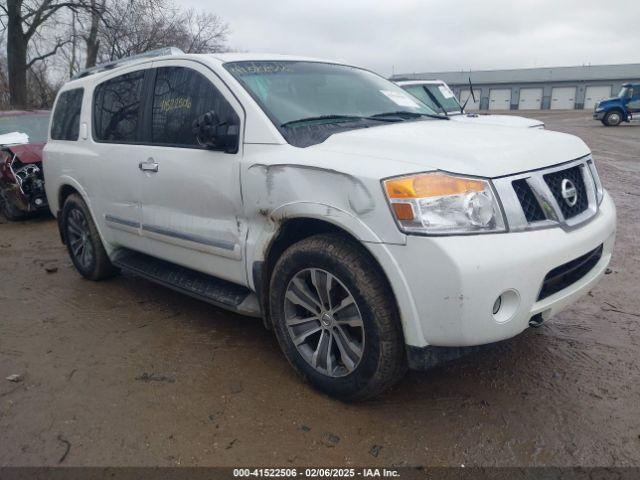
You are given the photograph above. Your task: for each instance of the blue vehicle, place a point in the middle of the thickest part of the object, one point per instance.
(613, 111)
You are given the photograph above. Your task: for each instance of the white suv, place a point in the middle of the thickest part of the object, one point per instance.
(366, 230)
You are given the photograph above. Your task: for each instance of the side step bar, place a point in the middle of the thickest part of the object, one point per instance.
(216, 291)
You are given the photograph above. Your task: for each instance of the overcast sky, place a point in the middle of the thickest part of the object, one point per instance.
(421, 35)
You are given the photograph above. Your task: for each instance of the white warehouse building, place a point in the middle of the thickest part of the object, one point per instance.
(555, 88)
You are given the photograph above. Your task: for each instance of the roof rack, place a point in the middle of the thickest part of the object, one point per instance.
(160, 52)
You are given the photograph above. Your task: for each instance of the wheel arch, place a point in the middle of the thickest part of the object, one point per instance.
(618, 109)
(291, 231)
(68, 186)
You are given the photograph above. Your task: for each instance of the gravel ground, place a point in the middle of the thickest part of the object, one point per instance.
(125, 372)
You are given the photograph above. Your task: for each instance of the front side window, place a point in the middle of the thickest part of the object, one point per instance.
(66, 117)
(116, 108)
(180, 96)
(323, 97)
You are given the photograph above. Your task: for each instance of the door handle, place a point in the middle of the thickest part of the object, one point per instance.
(148, 166)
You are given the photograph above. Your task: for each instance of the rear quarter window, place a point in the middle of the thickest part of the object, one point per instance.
(66, 117)
(116, 108)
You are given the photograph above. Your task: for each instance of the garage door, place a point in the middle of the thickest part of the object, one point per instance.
(500, 99)
(595, 94)
(530, 99)
(563, 98)
(471, 105)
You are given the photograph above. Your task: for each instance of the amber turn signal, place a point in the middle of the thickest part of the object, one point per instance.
(431, 185)
(403, 211)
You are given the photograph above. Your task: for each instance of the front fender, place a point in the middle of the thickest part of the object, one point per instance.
(328, 213)
(265, 227)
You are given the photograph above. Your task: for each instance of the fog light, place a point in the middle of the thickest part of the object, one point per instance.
(497, 304)
(506, 306)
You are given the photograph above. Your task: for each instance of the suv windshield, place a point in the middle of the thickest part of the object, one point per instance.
(297, 95)
(437, 96)
(36, 125)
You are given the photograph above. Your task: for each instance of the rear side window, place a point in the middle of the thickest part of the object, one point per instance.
(116, 108)
(181, 95)
(66, 117)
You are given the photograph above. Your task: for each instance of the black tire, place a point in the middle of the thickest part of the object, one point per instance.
(96, 264)
(612, 119)
(383, 360)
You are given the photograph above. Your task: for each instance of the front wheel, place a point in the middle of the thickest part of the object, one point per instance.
(612, 119)
(335, 318)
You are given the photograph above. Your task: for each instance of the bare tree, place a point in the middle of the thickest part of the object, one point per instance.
(136, 26)
(202, 32)
(91, 38)
(4, 79)
(48, 40)
(24, 19)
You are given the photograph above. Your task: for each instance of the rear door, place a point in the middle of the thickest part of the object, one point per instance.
(191, 200)
(116, 120)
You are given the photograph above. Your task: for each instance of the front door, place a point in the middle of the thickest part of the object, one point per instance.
(191, 200)
(634, 103)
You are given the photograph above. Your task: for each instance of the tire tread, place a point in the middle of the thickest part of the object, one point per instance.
(392, 363)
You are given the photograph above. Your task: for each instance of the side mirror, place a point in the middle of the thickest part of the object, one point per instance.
(211, 132)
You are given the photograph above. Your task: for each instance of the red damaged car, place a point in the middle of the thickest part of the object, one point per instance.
(22, 138)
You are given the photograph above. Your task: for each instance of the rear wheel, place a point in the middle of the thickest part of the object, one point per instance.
(83, 242)
(335, 319)
(612, 119)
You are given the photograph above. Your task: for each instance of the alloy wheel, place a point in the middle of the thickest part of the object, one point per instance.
(79, 238)
(324, 322)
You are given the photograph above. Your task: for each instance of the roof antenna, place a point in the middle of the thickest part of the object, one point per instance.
(472, 95)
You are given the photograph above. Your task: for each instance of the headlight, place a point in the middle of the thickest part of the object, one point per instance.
(439, 203)
(596, 181)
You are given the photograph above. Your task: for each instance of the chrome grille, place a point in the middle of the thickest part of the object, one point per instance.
(530, 206)
(574, 175)
(537, 199)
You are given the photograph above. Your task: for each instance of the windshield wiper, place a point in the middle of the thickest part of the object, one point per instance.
(403, 114)
(345, 118)
(399, 115)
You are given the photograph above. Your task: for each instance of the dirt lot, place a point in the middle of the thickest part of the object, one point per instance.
(125, 372)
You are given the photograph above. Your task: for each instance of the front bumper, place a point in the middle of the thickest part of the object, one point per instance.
(599, 115)
(12, 194)
(453, 282)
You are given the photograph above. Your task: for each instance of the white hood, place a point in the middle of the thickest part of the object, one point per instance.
(502, 120)
(14, 138)
(482, 150)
